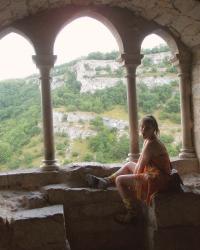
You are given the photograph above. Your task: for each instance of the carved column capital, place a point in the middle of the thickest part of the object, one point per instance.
(44, 61)
(131, 60)
(183, 62)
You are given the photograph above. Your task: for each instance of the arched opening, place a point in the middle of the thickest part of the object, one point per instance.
(158, 90)
(90, 107)
(19, 104)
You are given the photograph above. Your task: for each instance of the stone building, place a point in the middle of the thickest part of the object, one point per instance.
(51, 207)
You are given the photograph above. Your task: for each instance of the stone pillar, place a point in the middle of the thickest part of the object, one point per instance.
(196, 98)
(131, 61)
(44, 64)
(183, 63)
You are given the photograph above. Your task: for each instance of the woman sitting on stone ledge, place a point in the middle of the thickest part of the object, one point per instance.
(139, 180)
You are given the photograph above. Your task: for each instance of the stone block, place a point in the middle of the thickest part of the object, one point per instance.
(181, 22)
(177, 238)
(4, 180)
(33, 200)
(58, 3)
(195, 12)
(115, 237)
(175, 209)
(42, 228)
(76, 196)
(34, 6)
(5, 235)
(89, 215)
(174, 222)
(5, 16)
(94, 210)
(19, 8)
(185, 166)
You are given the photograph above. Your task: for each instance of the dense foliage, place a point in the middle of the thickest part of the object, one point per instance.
(106, 146)
(156, 49)
(98, 102)
(103, 56)
(164, 98)
(19, 115)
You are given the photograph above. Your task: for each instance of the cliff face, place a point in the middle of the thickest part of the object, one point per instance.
(99, 74)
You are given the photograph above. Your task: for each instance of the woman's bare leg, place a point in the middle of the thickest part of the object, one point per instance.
(125, 186)
(128, 168)
(103, 183)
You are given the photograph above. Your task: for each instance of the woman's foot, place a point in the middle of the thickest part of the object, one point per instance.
(97, 182)
(127, 218)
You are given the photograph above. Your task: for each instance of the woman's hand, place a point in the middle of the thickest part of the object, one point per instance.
(146, 177)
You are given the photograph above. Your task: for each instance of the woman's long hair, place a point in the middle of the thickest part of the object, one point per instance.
(152, 121)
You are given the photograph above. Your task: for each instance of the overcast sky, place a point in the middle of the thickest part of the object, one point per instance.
(82, 36)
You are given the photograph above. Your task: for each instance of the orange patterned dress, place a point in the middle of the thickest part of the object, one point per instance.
(158, 172)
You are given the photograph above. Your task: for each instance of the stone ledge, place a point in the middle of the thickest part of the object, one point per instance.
(74, 174)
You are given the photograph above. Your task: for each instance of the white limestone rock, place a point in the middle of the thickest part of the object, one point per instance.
(93, 74)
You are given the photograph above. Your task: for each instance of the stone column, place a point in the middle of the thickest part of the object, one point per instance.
(45, 64)
(183, 63)
(131, 61)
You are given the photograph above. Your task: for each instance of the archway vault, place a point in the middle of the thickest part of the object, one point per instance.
(182, 19)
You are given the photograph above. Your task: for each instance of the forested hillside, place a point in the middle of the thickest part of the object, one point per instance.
(89, 125)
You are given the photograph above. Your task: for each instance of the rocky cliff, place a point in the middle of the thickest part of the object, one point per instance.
(100, 74)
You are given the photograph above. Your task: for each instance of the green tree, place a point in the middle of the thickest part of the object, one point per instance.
(5, 152)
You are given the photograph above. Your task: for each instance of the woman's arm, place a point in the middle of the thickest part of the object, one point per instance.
(144, 158)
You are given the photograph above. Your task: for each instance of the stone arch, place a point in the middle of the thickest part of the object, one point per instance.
(171, 42)
(20, 47)
(167, 37)
(10, 30)
(95, 15)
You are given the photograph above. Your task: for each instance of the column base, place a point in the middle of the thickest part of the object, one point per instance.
(187, 154)
(133, 157)
(49, 165)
